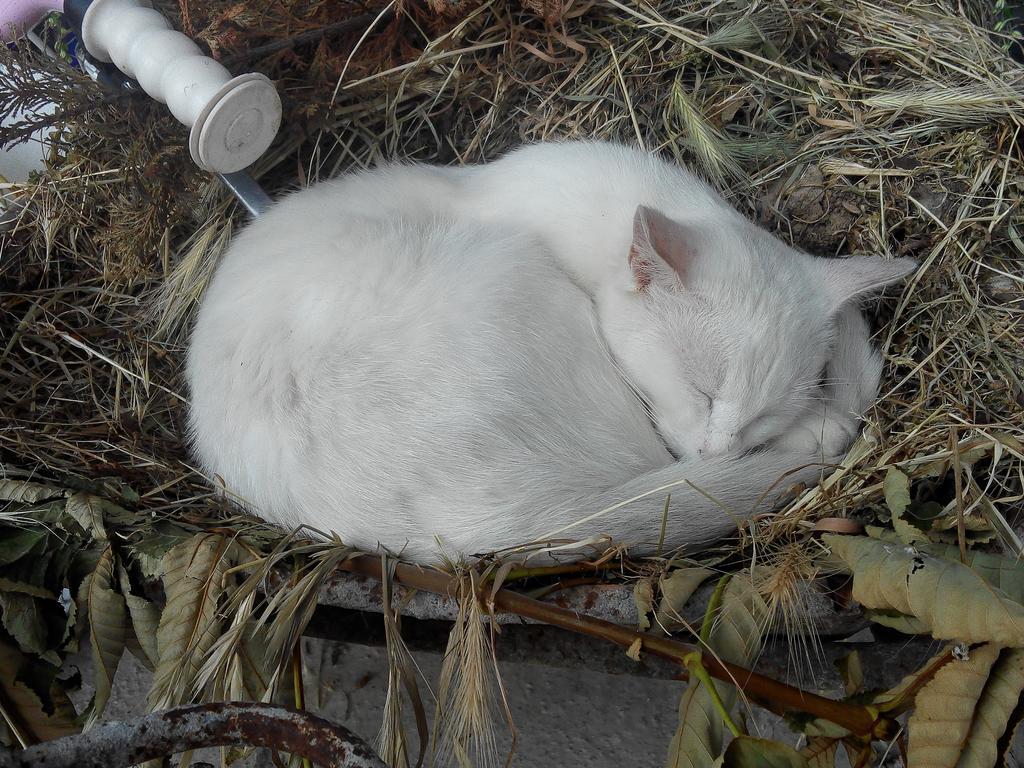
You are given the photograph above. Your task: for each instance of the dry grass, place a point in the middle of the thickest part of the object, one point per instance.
(847, 126)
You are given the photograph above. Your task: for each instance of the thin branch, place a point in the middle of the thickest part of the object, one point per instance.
(775, 696)
(112, 745)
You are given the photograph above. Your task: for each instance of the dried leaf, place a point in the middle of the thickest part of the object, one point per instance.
(107, 619)
(22, 709)
(27, 493)
(643, 597)
(738, 633)
(950, 598)
(896, 488)
(820, 752)
(189, 625)
(698, 739)
(676, 589)
(145, 619)
(634, 649)
(87, 510)
(1004, 573)
(941, 720)
(901, 697)
(908, 625)
(851, 671)
(992, 715)
(736, 638)
(748, 752)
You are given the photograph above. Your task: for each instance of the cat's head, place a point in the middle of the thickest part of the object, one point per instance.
(726, 330)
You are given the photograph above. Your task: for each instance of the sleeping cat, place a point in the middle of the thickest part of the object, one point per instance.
(540, 349)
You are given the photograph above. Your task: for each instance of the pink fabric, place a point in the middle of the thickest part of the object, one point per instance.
(18, 15)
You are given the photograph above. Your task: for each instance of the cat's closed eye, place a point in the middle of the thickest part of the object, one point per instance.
(710, 400)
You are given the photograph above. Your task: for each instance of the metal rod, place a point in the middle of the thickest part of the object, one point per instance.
(248, 191)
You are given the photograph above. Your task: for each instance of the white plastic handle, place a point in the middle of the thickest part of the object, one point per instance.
(232, 120)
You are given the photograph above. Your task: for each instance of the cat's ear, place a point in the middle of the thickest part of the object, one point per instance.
(845, 279)
(662, 249)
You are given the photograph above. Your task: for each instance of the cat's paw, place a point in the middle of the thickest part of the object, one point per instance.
(821, 434)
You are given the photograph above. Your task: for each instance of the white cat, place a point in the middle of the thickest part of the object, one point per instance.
(464, 360)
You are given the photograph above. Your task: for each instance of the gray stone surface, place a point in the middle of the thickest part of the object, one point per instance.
(563, 716)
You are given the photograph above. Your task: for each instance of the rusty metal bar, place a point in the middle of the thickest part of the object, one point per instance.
(111, 745)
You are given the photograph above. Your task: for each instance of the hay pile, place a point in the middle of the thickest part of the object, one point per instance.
(846, 126)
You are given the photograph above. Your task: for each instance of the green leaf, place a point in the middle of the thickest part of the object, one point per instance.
(194, 575)
(105, 610)
(992, 715)
(896, 488)
(748, 752)
(14, 546)
(950, 598)
(677, 587)
(940, 723)
(9, 585)
(23, 619)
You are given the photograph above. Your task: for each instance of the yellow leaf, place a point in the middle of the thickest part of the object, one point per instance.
(901, 698)
(643, 596)
(1001, 571)
(634, 649)
(896, 488)
(998, 700)
(954, 601)
(940, 722)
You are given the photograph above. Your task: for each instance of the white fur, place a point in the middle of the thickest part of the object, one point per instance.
(414, 356)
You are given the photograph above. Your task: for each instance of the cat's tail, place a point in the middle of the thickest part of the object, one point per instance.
(707, 500)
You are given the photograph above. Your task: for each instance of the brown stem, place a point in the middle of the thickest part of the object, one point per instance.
(558, 586)
(776, 696)
(111, 745)
(558, 570)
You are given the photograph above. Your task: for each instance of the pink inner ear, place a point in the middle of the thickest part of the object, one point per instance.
(641, 253)
(657, 238)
